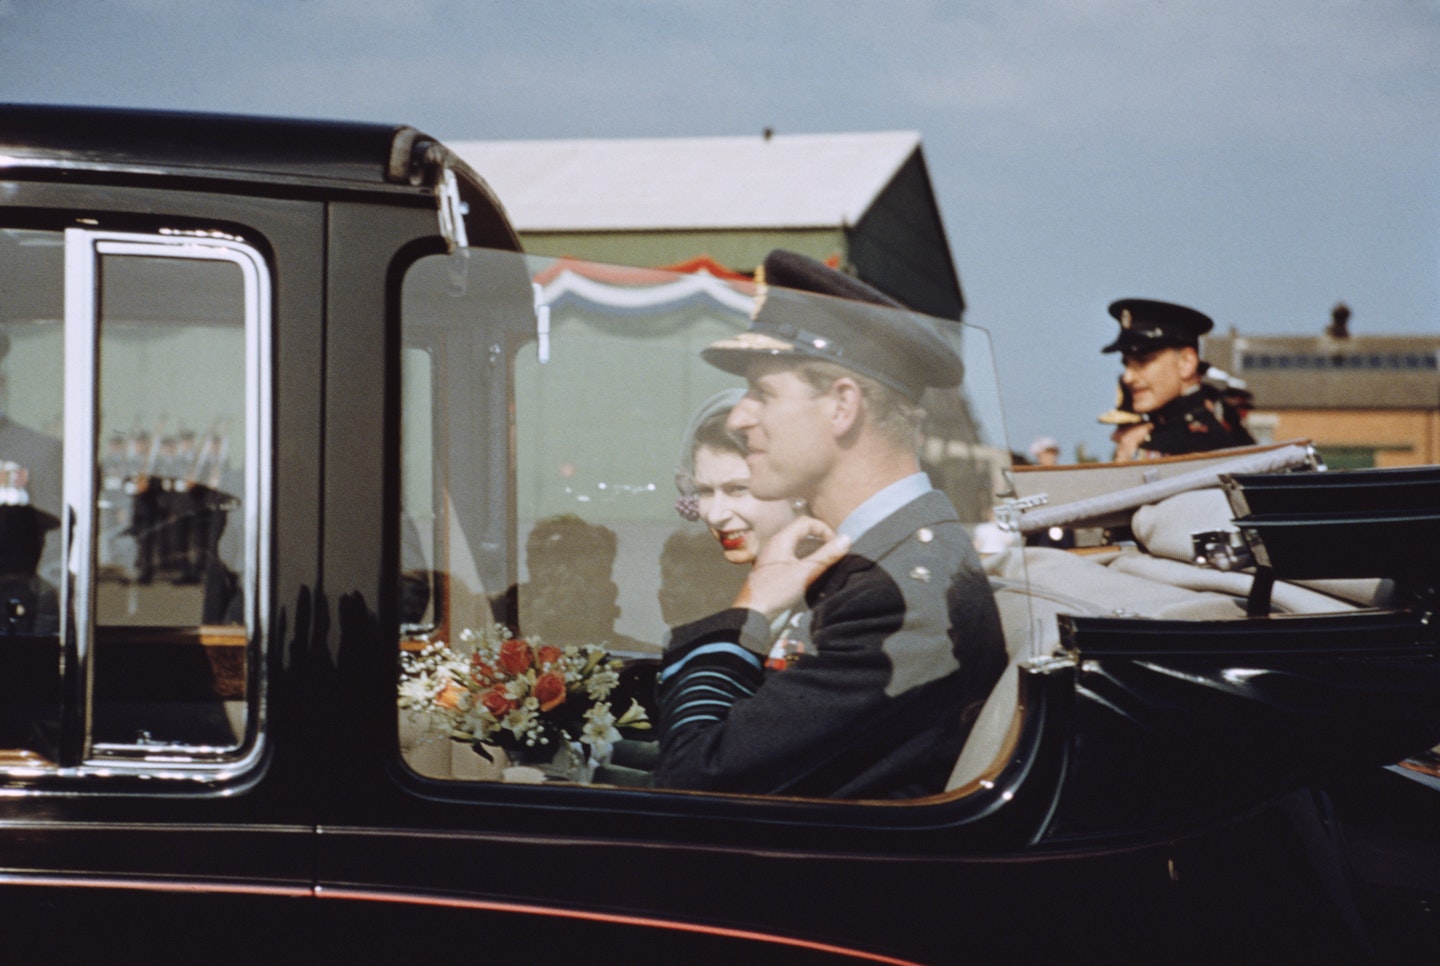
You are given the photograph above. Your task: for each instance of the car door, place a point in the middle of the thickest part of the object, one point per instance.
(145, 768)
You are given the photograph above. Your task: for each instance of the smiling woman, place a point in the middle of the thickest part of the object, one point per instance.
(717, 480)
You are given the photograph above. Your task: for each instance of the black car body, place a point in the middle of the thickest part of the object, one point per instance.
(331, 335)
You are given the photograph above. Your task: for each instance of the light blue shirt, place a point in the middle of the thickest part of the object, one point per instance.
(882, 504)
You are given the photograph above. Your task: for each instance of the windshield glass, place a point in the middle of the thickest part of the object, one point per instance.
(577, 449)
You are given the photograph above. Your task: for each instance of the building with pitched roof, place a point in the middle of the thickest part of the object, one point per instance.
(860, 201)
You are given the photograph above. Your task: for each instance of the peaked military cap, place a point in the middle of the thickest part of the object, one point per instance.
(1147, 325)
(854, 325)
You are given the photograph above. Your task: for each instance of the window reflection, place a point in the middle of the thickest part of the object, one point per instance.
(142, 346)
(539, 458)
(32, 367)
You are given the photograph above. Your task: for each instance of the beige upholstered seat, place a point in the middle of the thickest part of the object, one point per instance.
(1034, 585)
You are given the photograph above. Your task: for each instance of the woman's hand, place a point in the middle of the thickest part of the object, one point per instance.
(784, 568)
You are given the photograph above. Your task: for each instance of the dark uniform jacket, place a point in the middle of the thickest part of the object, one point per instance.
(905, 645)
(40, 454)
(1195, 423)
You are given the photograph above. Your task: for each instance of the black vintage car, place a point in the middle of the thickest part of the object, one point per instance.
(303, 431)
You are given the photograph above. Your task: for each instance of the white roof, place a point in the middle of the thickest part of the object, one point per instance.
(784, 181)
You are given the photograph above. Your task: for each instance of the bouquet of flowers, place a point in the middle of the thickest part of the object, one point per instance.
(524, 696)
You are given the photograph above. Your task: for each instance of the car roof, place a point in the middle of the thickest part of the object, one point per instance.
(267, 154)
(108, 138)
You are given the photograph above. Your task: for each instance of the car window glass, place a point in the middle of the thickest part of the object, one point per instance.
(543, 407)
(32, 366)
(131, 360)
(170, 593)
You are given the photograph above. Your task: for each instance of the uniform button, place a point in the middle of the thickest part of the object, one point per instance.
(921, 574)
(924, 534)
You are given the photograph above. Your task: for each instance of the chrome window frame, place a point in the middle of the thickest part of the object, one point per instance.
(80, 755)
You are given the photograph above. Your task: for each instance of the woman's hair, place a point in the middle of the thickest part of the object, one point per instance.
(707, 428)
(712, 433)
(709, 432)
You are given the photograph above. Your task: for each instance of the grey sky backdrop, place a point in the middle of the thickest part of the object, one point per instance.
(1258, 159)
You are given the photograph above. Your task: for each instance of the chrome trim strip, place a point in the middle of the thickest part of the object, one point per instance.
(78, 471)
(151, 885)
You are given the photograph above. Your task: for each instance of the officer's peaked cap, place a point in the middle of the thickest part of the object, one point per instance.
(1147, 325)
(805, 309)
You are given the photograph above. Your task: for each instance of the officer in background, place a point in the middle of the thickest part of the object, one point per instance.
(30, 474)
(1160, 345)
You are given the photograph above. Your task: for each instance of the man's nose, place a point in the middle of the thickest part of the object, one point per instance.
(741, 415)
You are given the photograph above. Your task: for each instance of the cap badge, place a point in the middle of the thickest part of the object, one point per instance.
(752, 341)
(762, 292)
(1126, 319)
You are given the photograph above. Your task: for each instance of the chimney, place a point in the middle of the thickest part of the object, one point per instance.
(1339, 322)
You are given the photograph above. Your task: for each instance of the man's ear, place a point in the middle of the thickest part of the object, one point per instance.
(1188, 361)
(847, 401)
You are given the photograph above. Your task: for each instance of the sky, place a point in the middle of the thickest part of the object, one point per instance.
(1260, 160)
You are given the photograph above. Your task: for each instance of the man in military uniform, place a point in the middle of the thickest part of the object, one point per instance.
(31, 462)
(1160, 345)
(906, 640)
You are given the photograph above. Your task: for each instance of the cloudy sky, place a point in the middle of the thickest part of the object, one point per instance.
(1258, 159)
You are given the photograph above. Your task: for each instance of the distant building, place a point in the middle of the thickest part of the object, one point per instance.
(861, 201)
(1364, 400)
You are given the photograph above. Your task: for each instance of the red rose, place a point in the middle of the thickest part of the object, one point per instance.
(549, 654)
(515, 656)
(549, 690)
(497, 702)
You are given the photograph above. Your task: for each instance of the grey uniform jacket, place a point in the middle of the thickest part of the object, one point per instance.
(906, 644)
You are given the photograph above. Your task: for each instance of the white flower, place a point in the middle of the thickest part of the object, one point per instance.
(599, 732)
(634, 716)
(415, 693)
(523, 724)
(599, 685)
(478, 723)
